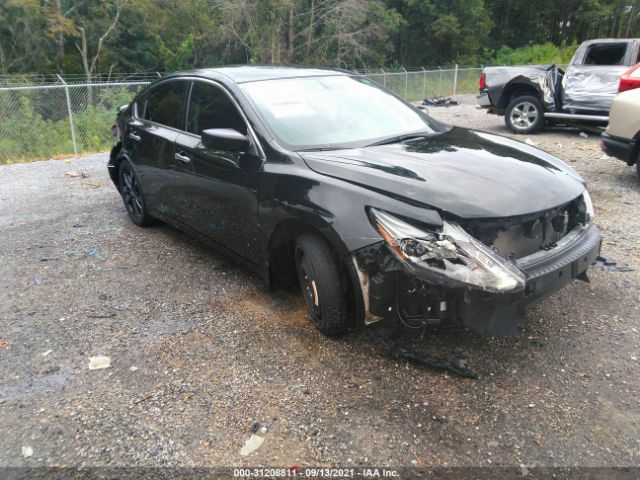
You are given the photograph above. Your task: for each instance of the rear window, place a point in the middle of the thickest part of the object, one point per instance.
(606, 54)
(164, 104)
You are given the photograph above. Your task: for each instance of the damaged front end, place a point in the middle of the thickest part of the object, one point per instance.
(483, 272)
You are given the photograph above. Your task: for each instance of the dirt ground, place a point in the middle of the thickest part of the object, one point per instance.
(200, 350)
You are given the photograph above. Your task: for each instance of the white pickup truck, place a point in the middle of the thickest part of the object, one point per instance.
(531, 96)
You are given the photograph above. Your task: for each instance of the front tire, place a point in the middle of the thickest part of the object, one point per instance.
(132, 196)
(524, 114)
(322, 284)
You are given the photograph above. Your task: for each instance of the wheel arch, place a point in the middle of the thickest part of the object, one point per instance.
(117, 155)
(282, 243)
(281, 258)
(517, 89)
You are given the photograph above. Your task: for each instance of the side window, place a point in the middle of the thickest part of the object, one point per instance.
(164, 104)
(606, 54)
(210, 107)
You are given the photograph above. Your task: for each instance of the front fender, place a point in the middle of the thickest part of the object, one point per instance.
(336, 208)
(294, 198)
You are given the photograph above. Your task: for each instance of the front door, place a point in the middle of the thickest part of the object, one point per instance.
(222, 202)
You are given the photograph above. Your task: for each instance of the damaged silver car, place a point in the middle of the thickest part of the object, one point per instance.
(531, 96)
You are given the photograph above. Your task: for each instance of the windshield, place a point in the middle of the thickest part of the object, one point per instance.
(333, 112)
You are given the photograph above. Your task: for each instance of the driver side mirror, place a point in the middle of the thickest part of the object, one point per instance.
(225, 139)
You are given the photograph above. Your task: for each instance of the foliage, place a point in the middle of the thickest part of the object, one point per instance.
(181, 59)
(539, 54)
(36, 126)
(124, 36)
(99, 36)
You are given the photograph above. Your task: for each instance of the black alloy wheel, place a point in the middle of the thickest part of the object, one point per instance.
(132, 196)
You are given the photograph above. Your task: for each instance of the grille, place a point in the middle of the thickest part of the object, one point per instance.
(513, 243)
(538, 232)
(516, 242)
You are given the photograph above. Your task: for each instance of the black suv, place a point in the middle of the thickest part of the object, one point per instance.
(381, 214)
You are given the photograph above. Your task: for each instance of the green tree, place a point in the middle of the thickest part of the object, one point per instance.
(23, 47)
(102, 36)
(436, 32)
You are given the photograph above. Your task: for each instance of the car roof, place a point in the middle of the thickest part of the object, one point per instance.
(609, 40)
(254, 73)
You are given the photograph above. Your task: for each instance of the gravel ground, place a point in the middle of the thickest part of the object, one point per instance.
(200, 350)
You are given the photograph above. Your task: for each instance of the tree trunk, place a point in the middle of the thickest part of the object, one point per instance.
(60, 54)
(84, 54)
(278, 42)
(59, 41)
(620, 25)
(310, 33)
(291, 35)
(631, 11)
(273, 46)
(3, 61)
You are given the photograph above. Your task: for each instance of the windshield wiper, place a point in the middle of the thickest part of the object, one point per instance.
(320, 149)
(385, 141)
(398, 139)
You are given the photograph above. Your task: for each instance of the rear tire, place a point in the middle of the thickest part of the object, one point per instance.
(322, 284)
(524, 114)
(132, 196)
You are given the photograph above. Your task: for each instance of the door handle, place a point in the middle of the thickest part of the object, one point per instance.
(134, 136)
(182, 157)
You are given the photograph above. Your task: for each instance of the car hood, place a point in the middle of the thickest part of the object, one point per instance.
(468, 173)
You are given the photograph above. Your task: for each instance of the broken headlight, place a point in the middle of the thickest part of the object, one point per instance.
(449, 254)
(590, 211)
(585, 211)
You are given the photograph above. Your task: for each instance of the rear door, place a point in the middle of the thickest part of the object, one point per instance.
(222, 201)
(151, 134)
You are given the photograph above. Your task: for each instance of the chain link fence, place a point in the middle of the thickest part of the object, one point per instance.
(61, 119)
(51, 117)
(415, 84)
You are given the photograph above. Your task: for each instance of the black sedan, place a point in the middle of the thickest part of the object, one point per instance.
(381, 215)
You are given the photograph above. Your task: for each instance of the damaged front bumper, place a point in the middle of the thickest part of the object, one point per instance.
(393, 292)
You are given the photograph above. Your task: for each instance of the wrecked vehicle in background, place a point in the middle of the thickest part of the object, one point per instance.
(531, 96)
(378, 213)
